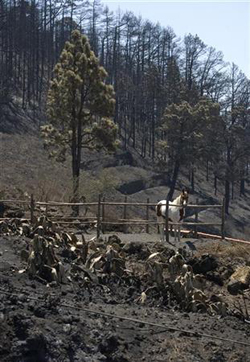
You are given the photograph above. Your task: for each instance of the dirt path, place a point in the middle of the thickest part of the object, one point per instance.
(191, 244)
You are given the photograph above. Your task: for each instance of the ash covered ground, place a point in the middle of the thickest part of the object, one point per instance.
(120, 298)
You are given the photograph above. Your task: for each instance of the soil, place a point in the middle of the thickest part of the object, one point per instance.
(100, 315)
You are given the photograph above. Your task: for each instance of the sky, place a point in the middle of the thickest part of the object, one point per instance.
(224, 25)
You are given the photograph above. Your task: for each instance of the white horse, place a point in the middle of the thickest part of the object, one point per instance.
(175, 213)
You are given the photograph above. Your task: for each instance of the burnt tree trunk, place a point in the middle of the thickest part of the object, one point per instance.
(227, 196)
(242, 187)
(215, 184)
(174, 179)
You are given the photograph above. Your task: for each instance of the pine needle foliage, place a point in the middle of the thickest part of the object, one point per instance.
(189, 133)
(79, 106)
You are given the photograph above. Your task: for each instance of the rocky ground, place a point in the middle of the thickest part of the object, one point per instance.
(124, 297)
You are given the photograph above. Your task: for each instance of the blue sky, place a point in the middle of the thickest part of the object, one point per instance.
(224, 25)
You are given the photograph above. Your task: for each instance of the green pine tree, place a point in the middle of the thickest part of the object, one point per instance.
(79, 104)
(185, 128)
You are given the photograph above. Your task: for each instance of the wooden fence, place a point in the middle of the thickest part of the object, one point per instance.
(100, 219)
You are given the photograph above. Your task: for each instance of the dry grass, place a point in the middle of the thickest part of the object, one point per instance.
(233, 251)
(221, 250)
(26, 168)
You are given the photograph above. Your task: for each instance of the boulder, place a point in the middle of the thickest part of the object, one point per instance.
(204, 264)
(239, 280)
(235, 286)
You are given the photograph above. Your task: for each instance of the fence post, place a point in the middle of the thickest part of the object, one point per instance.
(125, 215)
(223, 219)
(147, 216)
(103, 214)
(196, 220)
(32, 208)
(166, 221)
(98, 217)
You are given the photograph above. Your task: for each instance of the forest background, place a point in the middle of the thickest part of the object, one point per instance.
(178, 103)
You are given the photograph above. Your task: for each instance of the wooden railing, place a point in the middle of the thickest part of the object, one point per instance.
(100, 219)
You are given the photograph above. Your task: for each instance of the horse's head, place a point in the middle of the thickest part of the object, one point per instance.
(184, 197)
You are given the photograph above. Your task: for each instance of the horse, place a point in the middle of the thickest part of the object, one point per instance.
(176, 212)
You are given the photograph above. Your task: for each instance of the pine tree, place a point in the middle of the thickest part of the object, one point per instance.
(185, 128)
(79, 103)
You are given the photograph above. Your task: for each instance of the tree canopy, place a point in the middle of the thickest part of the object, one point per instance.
(185, 130)
(150, 69)
(79, 104)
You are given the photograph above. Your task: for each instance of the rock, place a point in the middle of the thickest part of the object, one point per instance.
(132, 247)
(203, 265)
(239, 280)
(215, 277)
(138, 248)
(235, 286)
(67, 319)
(36, 345)
(67, 328)
(40, 312)
(113, 239)
(24, 254)
(109, 345)
(242, 274)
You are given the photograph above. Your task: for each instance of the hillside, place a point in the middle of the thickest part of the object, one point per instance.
(68, 296)
(72, 287)
(26, 169)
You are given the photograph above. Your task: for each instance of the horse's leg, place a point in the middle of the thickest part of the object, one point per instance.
(162, 230)
(173, 229)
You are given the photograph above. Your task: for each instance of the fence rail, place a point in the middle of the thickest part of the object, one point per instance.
(101, 220)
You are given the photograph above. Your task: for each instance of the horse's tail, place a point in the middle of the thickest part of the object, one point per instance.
(158, 210)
